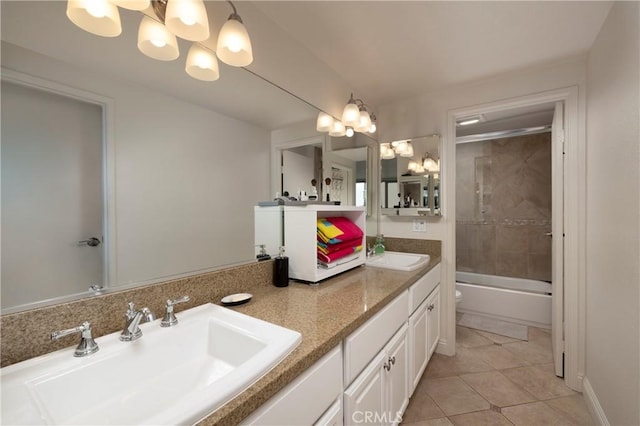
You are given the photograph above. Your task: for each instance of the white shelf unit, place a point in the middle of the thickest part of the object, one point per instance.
(300, 240)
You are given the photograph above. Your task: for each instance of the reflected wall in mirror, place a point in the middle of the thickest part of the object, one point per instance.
(410, 177)
(190, 158)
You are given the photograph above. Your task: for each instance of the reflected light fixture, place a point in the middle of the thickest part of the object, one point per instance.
(234, 44)
(324, 122)
(159, 27)
(338, 129)
(99, 17)
(429, 163)
(202, 63)
(386, 152)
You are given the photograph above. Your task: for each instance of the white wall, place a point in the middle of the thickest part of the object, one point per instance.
(187, 178)
(427, 114)
(613, 224)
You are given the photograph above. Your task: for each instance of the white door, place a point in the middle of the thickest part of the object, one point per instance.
(297, 173)
(397, 377)
(557, 235)
(364, 400)
(52, 195)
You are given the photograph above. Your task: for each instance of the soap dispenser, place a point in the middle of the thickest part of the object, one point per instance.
(281, 269)
(378, 248)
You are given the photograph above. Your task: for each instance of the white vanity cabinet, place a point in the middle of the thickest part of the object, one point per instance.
(300, 240)
(379, 394)
(424, 323)
(315, 397)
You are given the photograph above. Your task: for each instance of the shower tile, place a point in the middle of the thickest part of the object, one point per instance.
(497, 389)
(510, 264)
(482, 418)
(540, 266)
(454, 396)
(539, 382)
(511, 239)
(539, 243)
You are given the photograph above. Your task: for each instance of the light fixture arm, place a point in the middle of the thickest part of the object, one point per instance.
(159, 8)
(234, 15)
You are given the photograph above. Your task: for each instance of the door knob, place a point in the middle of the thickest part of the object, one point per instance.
(91, 242)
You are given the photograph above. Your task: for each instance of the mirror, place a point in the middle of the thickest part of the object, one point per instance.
(410, 177)
(186, 160)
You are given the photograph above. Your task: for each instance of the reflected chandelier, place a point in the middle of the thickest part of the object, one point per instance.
(355, 118)
(158, 29)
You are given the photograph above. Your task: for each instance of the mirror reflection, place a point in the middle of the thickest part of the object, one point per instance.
(177, 202)
(410, 177)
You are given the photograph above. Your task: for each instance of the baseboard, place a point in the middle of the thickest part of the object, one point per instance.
(593, 404)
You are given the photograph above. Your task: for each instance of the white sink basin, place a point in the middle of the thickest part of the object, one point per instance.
(174, 375)
(398, 261)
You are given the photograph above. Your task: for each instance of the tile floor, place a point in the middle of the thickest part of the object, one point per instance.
(495, 380)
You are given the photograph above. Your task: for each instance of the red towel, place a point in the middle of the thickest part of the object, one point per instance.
(328, 258)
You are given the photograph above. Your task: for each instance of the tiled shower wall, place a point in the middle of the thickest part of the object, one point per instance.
(503, 207)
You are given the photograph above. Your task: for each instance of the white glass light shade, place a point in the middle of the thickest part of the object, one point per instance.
(324, 122)
(338, 129)
(234, 44)
(99, 17)
(386, 152)
(407, 150)
(132, 4)
(412, 165)
(351, 115)
(155, 41)
(364, 123)
(349, 132)
(429, 164)
(202, 64)
(187, 19)
(419, 169)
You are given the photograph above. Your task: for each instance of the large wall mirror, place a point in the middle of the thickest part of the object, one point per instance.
(186, 161)
(410, 177)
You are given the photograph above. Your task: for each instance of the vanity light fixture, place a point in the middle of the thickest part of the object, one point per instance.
(355, 118)
(99, 17)
(202, 63)
(234, 44)
(429, 163)
(324, 122)
(338, 129)
(158, 29)
(386, 152)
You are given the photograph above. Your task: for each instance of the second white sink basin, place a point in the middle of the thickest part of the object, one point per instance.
(173, 375)
(398, 261)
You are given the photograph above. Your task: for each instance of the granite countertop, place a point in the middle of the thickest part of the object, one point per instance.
(324, 314)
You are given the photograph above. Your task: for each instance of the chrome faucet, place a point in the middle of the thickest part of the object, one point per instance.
(87, 345)
(169, 317)
(371, 251)
(132, 330)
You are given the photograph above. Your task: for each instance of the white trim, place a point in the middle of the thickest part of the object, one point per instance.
(593, 404)
(574, 260)
(109, 156)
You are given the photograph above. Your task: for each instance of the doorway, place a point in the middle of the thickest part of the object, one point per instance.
(568, 218)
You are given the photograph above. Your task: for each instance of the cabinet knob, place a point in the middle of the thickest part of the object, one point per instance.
(392, 360)
(387, 366)
(431, 307)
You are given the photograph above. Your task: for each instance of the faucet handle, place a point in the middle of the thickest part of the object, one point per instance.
(131, 311)
(87, 345)
(169, 317)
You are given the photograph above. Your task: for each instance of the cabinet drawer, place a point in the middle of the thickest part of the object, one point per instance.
(421, 289)
(304, 400)
(364, 343)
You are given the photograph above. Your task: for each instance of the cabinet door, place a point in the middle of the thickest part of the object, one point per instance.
(433, 320)
(364, 400)
(417, 345)
(397, 376)
(333, 416)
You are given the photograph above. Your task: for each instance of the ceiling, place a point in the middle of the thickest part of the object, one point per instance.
(390, 50)
(384, 50)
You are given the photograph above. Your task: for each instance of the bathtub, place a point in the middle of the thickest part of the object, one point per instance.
(517, 300)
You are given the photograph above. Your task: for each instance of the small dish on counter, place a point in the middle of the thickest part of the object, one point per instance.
(236, 299)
